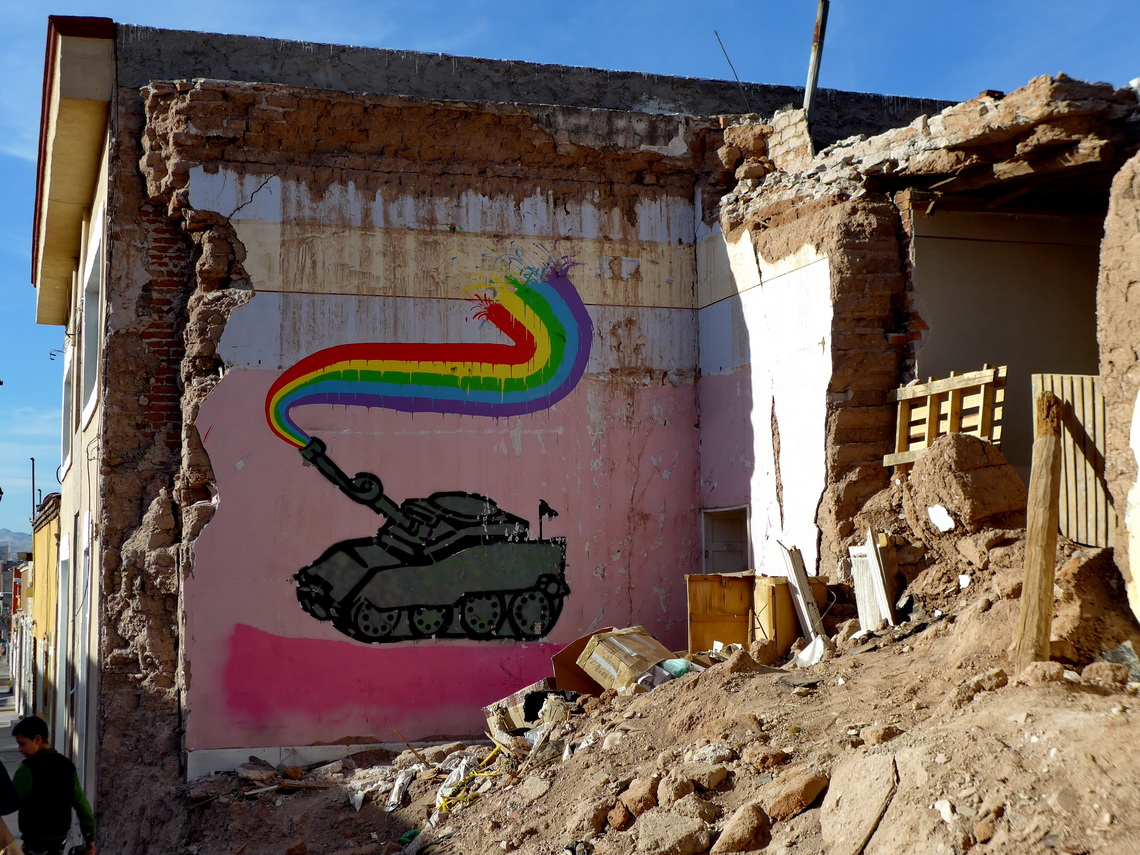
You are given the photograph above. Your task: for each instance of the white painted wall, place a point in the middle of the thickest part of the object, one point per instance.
(769, 323)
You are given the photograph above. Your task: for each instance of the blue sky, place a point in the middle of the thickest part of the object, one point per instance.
(901, 47)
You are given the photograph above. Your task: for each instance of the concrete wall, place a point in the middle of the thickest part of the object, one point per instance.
(144, 54)
(1007, 289)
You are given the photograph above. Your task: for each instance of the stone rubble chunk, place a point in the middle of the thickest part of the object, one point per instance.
(762, 756)
(1037, 673)
(879, 733)
(714, 753)
(707, 776)
(660, 833)
(793, 793)
(673, 786)
(1108, 675)
(641, 795)
(748, 829)
(696, 807)
(619, 818)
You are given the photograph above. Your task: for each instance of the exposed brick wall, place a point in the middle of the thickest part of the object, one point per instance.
(790, 146)
(162, 299)
(911, 328)
(867, 277)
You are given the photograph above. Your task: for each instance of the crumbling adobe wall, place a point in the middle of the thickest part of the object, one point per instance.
(1118, 331)
(169, 288)
(860, 233)
(993, 146)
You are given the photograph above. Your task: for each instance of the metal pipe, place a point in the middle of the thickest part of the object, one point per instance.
(816, 53)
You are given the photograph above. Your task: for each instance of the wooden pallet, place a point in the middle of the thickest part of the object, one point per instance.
(962, 403)
(1087, 515)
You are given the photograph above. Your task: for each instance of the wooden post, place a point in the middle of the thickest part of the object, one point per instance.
(1041, 535)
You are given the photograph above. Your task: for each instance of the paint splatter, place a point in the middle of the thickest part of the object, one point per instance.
(536, 307)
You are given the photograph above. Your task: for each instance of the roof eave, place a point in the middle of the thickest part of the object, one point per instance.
(78, 80)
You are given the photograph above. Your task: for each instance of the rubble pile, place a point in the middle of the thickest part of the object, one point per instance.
(911, 734)
(1051, 123)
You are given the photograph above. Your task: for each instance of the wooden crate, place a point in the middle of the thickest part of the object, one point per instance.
(720, 609)
(962, 403)
(1086, 512)
(775, 616)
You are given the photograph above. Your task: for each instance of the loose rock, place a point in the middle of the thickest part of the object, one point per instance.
(746, 830)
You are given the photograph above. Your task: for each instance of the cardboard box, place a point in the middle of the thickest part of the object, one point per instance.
(567, 675)
(774, 616)
(513, 704)
(616, 659)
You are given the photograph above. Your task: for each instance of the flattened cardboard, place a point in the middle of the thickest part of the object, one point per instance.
(512, 704)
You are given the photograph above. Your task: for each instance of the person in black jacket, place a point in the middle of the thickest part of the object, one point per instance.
(9, 801)
(49, 788)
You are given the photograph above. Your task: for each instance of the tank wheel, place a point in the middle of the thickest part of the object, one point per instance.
(424, 621)
(531, 613)
(371, 623)
(481, 614)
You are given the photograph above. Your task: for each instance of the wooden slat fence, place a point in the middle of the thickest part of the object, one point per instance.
(969, 403)
(1087, 515)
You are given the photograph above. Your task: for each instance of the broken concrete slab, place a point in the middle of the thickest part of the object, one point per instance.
(860, 791)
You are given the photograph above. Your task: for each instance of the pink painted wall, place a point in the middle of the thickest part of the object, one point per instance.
(617, 460)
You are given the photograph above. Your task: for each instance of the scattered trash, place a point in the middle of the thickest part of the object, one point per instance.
(963, 582)
(616, 659)
(403, 781)
(810, 655)
(514, 707)
(945, 809)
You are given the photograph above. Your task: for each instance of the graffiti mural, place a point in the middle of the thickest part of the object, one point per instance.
(454, 564)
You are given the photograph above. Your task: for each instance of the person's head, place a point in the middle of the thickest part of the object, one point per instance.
(31, 735)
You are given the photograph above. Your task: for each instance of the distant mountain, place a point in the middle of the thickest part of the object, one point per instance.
(13, 542)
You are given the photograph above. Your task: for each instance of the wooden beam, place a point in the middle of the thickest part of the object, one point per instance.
(962, 381)
(1041, 535)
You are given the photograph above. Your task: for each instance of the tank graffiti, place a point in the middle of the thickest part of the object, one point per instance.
(453, 565)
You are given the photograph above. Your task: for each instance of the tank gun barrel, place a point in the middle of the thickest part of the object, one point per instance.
(363, 487)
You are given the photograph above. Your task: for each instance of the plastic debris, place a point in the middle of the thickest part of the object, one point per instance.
(403, 781)
(810, 655)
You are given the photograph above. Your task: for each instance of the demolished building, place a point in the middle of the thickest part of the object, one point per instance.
(611, 330)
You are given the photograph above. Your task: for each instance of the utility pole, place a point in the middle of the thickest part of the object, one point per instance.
(816, 54)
